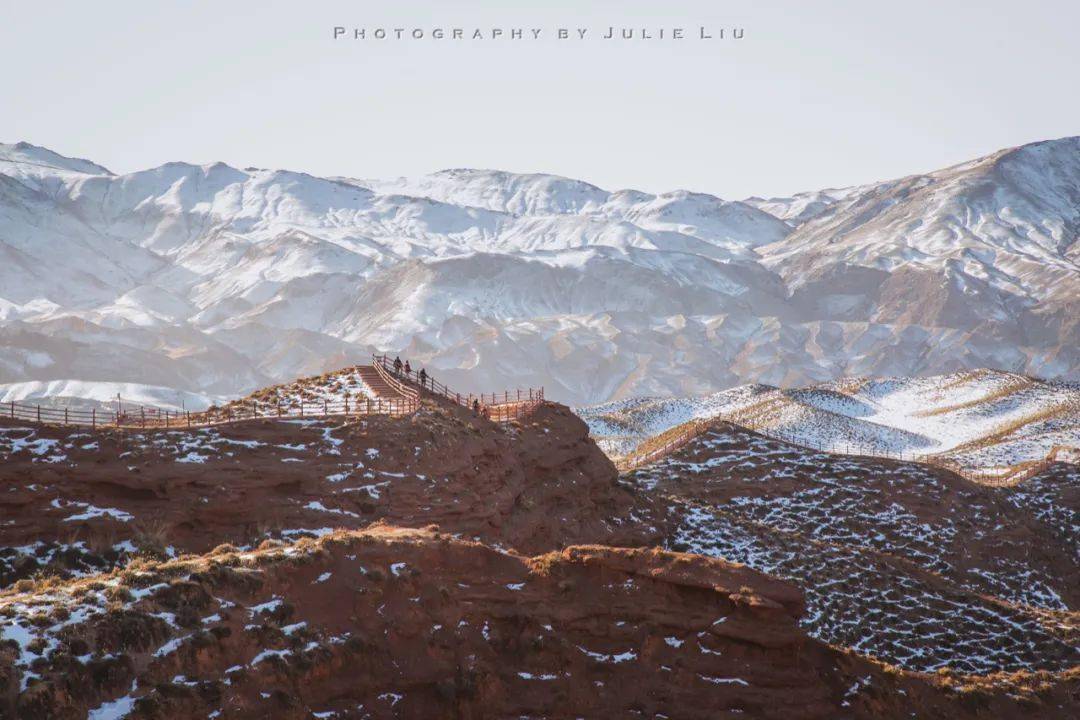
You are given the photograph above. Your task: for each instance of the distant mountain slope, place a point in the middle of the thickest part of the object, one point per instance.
(213, 280)
(984, 420)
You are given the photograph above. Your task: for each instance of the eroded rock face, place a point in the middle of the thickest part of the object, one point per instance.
(392, 622)
(78, 501)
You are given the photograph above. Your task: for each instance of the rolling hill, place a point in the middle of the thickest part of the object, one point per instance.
(984, 421)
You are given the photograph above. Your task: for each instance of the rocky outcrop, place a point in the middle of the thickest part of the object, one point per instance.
(80, 500)
(392, 622)
(439, 565)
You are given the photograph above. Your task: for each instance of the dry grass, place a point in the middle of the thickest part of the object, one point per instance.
(542, 565)
(151, 539)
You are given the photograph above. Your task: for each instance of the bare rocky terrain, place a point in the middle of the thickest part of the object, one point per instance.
(78, 500)
(911, 564)
(441, 565)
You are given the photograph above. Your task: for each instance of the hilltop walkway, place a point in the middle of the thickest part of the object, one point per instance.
(391, 392)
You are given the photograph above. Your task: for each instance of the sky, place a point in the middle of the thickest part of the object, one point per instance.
(817, 93)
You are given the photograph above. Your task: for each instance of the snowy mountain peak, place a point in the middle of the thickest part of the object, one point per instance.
(26, 154)
(217, 280)
(501, 191)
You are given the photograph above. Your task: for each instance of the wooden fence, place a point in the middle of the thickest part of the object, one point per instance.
(643, 456)
(150, 417)
(500, 407)
(391, 380)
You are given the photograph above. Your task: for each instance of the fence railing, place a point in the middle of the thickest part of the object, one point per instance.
(646, 455)
(150, 417)
(387, 376)
(500, 407)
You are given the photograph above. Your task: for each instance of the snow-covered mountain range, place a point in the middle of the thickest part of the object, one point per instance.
(213, 281)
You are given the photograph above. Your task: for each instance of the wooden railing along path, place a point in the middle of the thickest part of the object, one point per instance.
(405, 400)
(388, 377)
(500, 407)
(642, 456)
(141, 416)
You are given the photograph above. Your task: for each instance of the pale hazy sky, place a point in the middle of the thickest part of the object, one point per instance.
(818, 93)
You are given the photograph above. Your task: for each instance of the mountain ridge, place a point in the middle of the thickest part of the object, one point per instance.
(518, 278)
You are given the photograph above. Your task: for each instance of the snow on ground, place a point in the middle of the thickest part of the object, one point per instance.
(851, 501)
(16, 440)
(981, 419)
(619, 426)
(850, 534)
(332, 388)
(856, 600)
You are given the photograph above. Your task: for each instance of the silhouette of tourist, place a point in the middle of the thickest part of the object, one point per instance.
(397, 365)
(423, 377)
(476, 406)
(408, 370)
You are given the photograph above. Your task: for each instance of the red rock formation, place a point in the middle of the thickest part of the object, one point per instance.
(464, 569)
(391, 622)
(532, 487)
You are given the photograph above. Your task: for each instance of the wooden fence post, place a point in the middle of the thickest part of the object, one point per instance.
(93, 418)
(39, 413)
(65, 416)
